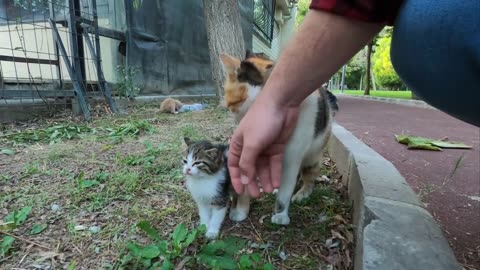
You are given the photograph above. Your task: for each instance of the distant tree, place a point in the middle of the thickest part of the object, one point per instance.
(382, 66)
(386, 32)
(224, 32)
(302, 9)
(367, 69)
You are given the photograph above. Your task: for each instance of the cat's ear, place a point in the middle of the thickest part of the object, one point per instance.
(212, 153)
(248, 71)
(187, 141)
(230, 64)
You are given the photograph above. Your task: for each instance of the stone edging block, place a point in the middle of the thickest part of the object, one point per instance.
(393, 230)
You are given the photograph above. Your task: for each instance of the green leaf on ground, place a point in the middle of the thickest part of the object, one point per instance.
(179, 235)
(6, 244)
(414, 142)
(8, 152)
(38, 228)
(151, 232)
(451, 145)
(18, 217)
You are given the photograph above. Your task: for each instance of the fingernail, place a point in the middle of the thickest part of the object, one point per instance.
(244, 179)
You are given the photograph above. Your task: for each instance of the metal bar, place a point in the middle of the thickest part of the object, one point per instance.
(77, 48)
(106, 32)
(20, 59)
(34, 93)
(57, 56)
(107, 92)
(73, 75)
(104, 87)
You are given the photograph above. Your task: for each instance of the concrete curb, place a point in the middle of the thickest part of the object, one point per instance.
(393, 229)
(405, 102)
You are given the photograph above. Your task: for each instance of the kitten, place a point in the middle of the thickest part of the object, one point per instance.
(303, 154)
(170, 105)
(208, 181)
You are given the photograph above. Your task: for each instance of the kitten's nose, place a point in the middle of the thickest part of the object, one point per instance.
(189, 171)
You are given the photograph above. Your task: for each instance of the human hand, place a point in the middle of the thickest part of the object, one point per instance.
(258, 145)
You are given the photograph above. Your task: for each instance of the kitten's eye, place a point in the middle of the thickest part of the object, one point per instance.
(184, 161)
(196, 163)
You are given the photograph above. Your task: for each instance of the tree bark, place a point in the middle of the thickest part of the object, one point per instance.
(224, 33)
(369, 58)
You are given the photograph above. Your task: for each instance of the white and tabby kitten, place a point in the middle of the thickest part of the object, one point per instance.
(208, 181)
(244, 81)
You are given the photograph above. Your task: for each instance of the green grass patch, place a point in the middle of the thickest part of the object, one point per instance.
(378, 93)
(125, 169)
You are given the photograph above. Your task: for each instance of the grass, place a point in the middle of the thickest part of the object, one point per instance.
(87, 190)
(378, 93)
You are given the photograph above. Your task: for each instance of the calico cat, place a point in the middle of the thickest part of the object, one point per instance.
(208, 181)
(170, 105)
(244, 81)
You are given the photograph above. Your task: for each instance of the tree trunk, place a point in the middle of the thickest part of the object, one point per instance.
(224, 33)
(367, 80)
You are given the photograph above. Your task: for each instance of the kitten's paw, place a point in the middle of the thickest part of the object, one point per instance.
(302, 194)
(212, 234)
(237, 215)
(281, 219)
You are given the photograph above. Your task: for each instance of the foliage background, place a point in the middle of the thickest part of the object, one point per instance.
(385, 75)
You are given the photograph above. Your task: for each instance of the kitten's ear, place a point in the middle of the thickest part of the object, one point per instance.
(212, 153)
(230, 64)
(187, 141)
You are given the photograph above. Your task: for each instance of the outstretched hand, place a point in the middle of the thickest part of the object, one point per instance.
(258, 145)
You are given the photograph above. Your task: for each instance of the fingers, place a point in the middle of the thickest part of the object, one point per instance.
(234, 153)
(253, 188)
(248, 159)
(263, 169)
(276, 170)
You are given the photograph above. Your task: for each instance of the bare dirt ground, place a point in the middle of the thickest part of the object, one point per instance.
(72, 196)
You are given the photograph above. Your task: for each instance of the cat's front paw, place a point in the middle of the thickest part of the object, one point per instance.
(212, 234)
(237, 215)
(302, 194)
(281, 219)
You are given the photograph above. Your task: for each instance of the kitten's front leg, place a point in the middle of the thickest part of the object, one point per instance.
(205, 213)
(289, 179)
(239, 211)
(216, 220)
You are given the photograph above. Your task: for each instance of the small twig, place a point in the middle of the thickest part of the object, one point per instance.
(77, 248)
(255, 230)
(6, 258)
(24, 256)
(182, 263)
(325, 258)
(25, 240)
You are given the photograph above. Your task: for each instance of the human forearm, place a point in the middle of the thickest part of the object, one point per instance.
(322, 45)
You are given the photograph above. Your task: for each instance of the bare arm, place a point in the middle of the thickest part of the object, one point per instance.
(322, 45)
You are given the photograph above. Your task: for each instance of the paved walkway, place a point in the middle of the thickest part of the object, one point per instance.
(454, 200)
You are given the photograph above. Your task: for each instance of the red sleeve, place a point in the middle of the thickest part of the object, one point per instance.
(375, 11)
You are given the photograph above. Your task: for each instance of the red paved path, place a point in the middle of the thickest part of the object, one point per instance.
(455, 201)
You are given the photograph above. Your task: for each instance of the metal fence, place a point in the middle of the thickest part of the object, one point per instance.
(50, 53)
